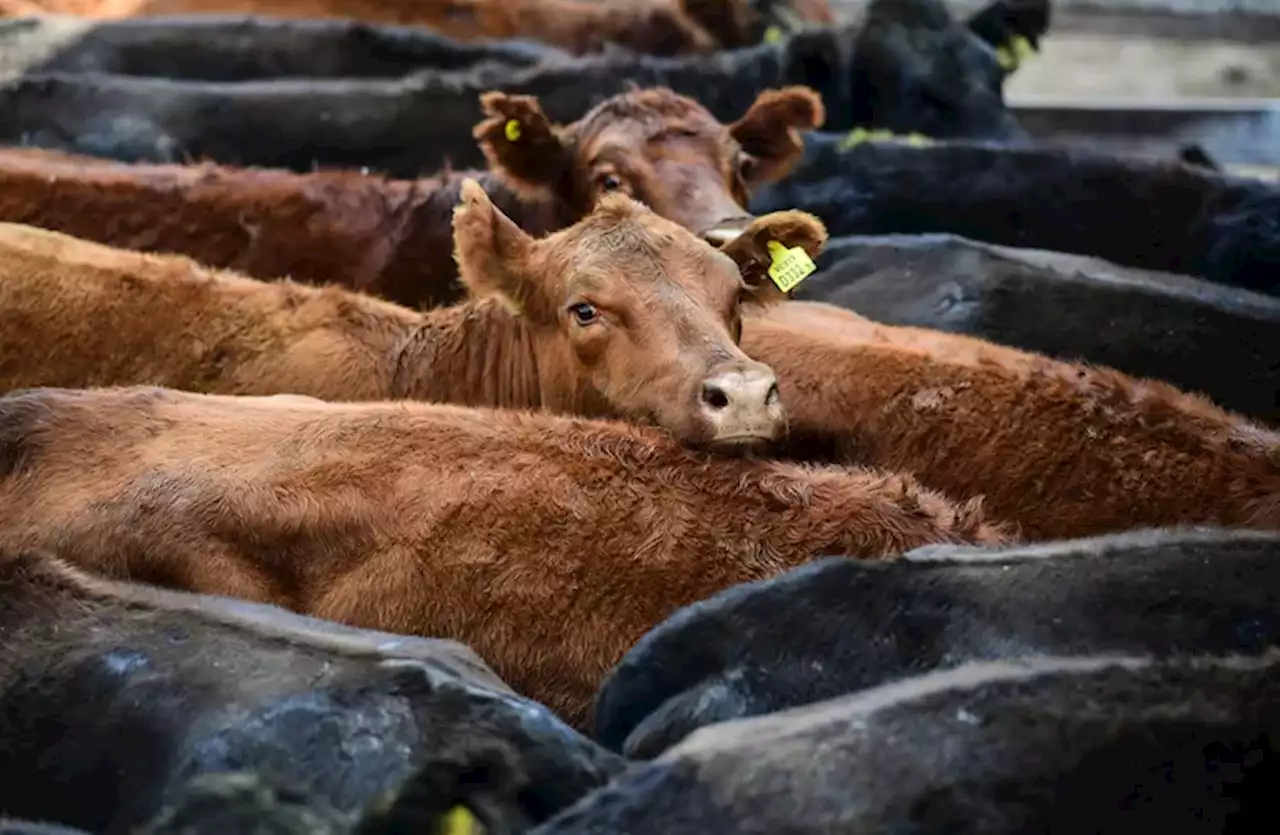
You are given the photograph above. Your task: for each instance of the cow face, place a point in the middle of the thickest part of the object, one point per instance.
(632, 316)
(657, 147)
(917, 70)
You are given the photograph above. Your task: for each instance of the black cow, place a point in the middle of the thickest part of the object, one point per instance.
(1154, 215)
(1103, 745)
(113, 696)
(1204, 337)
(238, 48)
(842, 625)
(908, 68)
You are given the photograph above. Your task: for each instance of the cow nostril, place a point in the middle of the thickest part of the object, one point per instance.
(714, 396)
(773, 396)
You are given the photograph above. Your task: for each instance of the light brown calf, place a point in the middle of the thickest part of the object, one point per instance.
(549, 545)
(623, 314)
(1061, 449)
(393, 238)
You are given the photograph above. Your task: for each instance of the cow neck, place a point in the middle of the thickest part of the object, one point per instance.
(477, 353)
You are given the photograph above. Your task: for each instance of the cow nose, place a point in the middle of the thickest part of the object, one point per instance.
(743, 406)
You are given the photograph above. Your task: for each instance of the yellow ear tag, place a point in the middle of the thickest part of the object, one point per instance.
(918, 140)
(512, 130)
(1014, 53)
(1022, 48)
(790, 266)
(460, 821)
(773, 34)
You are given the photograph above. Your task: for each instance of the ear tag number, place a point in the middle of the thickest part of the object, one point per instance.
(512, 130)
(790, 266)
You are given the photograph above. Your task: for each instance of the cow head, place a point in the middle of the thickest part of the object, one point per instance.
(915, 69)
(632, 316)
(660, 148)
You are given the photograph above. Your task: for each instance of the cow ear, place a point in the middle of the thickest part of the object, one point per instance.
(770, 242)
(521, 144)
(492, 252)
(770, 131)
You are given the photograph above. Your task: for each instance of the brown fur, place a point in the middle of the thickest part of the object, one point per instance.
(579, 26)
(78, 314)
(1061, 449)
(393, 238)
(549, 545)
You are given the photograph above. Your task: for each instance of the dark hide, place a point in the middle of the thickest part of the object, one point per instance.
(940, 81)
(1202, 337)
(21, 827)
(230, 48)
(114, 695)
(1061, 746)
(1003, 20)
(841, 626)
(1155, 215)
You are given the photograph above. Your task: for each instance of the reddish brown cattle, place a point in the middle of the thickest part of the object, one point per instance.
(392, 238)
(549, 545)
(652, 26)
(623, 314)
(1061, 449)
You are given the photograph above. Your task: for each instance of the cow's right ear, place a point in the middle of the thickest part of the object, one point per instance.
(492, 252)
(767, 243)
(521, 144)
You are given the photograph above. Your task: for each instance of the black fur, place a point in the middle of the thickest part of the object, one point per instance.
(1202, 337)
(1154, 215)
(1107, 746)
(842, 625)
(932, 76)
(242, 48)
(109, 705)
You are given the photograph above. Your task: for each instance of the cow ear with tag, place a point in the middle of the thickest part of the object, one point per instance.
(522, 145)
(775, 253)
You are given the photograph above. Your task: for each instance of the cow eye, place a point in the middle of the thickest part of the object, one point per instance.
(584, 313)
(610, 182)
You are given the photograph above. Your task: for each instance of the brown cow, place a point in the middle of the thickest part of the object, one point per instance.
(658, 27)
(623, 314)
(1061, 449)
(548, 544)
(392, 238)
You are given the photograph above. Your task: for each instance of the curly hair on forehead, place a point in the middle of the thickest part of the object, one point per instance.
(652, 107)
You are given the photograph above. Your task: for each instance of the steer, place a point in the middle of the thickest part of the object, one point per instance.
(113, 695)
(1220, 341)
(549, 544)
(908, 68)
(393, 239)
(232, 48)
(839, 626)
(1099, 744)
(1157, 215)
(1059, 448)
(623, 314)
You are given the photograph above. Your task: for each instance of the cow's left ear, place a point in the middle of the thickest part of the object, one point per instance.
(775, 253)
(521, 144)
(493, 253)
(770, 131)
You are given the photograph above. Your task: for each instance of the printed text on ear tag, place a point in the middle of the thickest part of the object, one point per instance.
(773, 34)
(790, 266)
(512, 130)
(460, 821)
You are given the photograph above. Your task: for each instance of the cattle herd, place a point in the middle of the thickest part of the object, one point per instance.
(629, 416)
